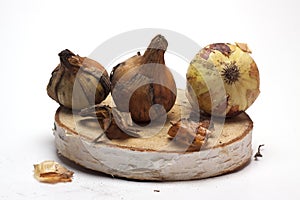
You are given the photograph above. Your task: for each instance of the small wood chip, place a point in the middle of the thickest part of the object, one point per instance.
(258, 154)
(52, 172)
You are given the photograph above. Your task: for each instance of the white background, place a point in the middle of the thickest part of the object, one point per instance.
(34, 32)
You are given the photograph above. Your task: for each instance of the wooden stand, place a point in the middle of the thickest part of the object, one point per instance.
(154, 156)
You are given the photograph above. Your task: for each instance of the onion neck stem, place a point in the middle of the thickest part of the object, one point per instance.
(64, 56)
(156, 50)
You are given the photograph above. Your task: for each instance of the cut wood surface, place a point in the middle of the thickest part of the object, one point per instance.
(154, 156)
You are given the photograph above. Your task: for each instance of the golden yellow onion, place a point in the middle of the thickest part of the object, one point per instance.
(223, 79)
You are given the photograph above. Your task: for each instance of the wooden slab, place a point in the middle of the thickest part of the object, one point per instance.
(154, 156)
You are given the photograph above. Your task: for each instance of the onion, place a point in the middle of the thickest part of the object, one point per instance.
(223, 79)
(78, 82)
(143, 85)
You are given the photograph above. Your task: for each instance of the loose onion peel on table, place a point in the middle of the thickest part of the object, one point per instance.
(52, 172)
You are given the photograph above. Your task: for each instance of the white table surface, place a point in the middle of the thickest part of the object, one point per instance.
(33, 32)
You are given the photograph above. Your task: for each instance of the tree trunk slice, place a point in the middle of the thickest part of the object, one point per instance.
(156, 156)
